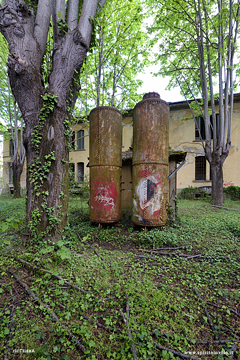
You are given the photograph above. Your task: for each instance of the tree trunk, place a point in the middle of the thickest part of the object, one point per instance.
(17, 172)
(47, 178)
(45, 112)
(217, 179)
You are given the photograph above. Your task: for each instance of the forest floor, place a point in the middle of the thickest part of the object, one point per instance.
(122, 293)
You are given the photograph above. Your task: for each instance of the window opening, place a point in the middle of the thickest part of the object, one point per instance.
(81, 171)
(80, 139)
(200, 168)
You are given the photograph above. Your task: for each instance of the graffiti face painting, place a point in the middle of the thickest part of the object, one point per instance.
(147, 201)
(104, 195)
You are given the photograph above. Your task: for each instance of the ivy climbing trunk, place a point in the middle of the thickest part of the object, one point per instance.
(45, 103)
(47, 180)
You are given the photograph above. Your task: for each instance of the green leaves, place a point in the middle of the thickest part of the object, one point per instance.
(177, 27)
(120, 51)
(64, 253)
(11, 223)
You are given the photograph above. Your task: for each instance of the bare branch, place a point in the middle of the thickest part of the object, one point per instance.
(22, 149)
(205, 310)
(9, 108)
(55, 31)
(42, 23)
(203, 79)
(101, 5)
(134, 353)
(233, 47)
(15, 132)
(220, 65)
(211, 83)
(94, 250)
(182, 356)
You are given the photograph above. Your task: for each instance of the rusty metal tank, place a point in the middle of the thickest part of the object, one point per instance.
(150, 161)
(105, 164)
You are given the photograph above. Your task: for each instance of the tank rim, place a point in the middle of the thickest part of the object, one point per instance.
(105, 108)
(151, 100)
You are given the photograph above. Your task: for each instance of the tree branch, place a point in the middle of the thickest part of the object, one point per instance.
(42, 22)
(60, 10)
(85, 22)
(134, 353)
(55, 30)
(72, 16)
(101, 5)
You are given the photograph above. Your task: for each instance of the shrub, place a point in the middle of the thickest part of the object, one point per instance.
(188, 193)
(232, 192)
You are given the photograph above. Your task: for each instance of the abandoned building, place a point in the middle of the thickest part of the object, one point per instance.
(184, 143)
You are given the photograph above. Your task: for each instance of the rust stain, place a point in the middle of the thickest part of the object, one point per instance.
(105, 164)
(150, 161)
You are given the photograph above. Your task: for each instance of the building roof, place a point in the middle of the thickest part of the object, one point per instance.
(178, 156)
(177, 105)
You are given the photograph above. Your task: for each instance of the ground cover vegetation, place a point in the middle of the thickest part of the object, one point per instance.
(119, 292)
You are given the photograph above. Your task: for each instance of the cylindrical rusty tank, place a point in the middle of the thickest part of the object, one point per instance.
(150, 161)
(105, 164)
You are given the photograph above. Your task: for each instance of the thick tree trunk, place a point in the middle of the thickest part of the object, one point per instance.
(44, 111)
(217, 179)
(17, 172)
(47, 178)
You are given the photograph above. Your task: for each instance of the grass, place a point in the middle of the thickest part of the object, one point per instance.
(180, 303)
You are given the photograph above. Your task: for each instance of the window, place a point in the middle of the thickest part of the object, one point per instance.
(80, 171)
(80, 139)
(200, 126)
(200, 168)
(11, 150)
(10, 174)
(71, 171)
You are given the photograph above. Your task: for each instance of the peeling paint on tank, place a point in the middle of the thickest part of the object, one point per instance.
(150, 161)
(105, 164)
(149, 196)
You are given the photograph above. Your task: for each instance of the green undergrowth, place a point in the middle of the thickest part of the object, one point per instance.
(186, 294)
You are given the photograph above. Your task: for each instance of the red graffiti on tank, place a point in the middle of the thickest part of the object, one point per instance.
(104, 195)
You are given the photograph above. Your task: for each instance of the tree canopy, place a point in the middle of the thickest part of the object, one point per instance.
(198, 42)
(120, 51)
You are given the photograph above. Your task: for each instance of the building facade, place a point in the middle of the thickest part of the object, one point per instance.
(183, 136)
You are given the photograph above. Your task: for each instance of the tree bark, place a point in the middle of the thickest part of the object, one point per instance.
(17, 172)
(217, 179)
